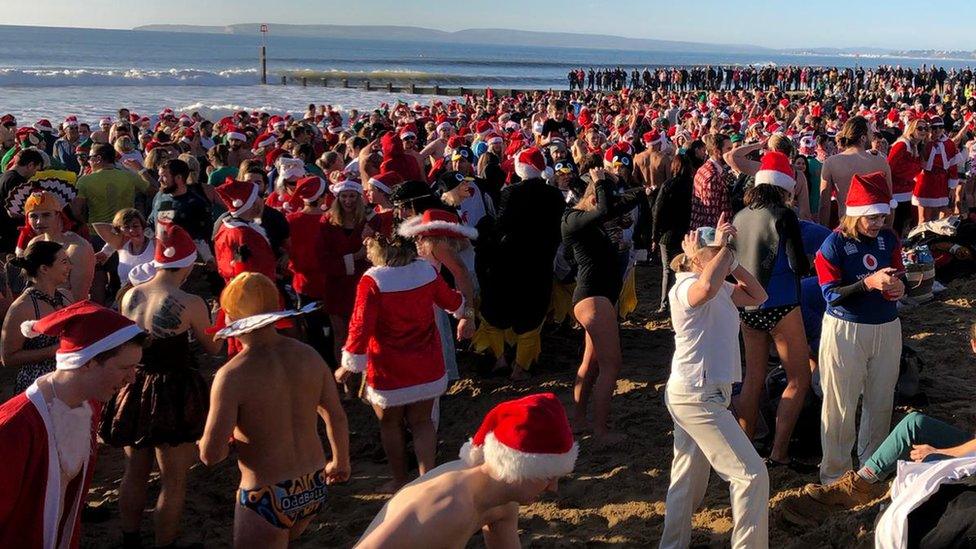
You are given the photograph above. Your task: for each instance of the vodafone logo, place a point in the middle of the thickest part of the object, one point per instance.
(870, 262)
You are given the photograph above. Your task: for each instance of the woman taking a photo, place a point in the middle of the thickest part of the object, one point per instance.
(598, 286)
(859, 268)
(47, 267)
(704, 367)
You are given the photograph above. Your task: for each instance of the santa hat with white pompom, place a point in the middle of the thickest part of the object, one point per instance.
(527, 438)
(174, 250)
(84, 329)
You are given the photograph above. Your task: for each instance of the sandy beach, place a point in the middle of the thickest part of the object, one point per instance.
(616, 496)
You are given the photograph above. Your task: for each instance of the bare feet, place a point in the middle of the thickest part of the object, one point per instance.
(518, 374)
(500, 365)
(391, 487)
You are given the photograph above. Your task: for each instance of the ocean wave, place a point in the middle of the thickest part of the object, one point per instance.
(404, 76)
(126, 77)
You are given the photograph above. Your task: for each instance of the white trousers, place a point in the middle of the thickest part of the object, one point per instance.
(706, 435)
(855, 360)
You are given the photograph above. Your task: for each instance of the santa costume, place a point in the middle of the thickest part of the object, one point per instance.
(341, 267)
(940, 171)
(284, 199)
(393, 336)
(48, 448)
(309, 279)
(241, 245)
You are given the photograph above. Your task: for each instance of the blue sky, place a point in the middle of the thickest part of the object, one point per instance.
(898, 24)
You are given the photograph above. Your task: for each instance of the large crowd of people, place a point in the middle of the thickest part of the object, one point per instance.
(330, 256)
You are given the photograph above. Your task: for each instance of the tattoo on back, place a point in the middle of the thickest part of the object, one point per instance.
(166, 321)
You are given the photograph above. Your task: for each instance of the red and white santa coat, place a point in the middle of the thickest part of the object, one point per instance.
(393, 336)
(940, 172)
(284, 202)
(34, 510)
(241, 246)
(905, 164)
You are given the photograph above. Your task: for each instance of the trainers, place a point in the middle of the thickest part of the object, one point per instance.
(848, 491)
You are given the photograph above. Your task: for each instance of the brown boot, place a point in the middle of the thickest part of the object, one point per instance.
(848, 491)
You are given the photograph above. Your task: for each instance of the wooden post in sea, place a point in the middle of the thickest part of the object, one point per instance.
(437, 89)
(264, 54)
(366, 85)
(325, 83)
(413, 88)
(284, 80)
(345, 82)
(304, 82)
(389, 87)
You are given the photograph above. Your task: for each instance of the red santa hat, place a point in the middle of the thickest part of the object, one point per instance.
(188, 135)
(237, 195)
(345, 185)
(494, 138)
(523, 439)
(310, 188)
(408, 131)
(617, 155)
(174, 247)
(265, 140)
(435, 223)
(775, 169)
(530, 163)
(482, 126)
(652, 138)
(386, 181)
(234, 133)
(276, 121)
(808, 145)
(869, 195)
(84, 329)
(70, 121)
(44, 125)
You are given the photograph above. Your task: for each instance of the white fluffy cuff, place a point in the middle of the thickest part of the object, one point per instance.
(354, 363)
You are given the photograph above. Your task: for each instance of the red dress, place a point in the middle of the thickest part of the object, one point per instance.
(304, 261)
(940, 172)
(393, 336)
(905, 166)
(340, 268)
(30, 498)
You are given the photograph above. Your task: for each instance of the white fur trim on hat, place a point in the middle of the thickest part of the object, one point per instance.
(140, 274)
(238, 206)
(407, 134)
(380, 185)
(236, 135)
(347, 185)
(415, 226)
(869, 209)
(777, 178)
(353, 362)
(512, 465)
(527, 171)
(27, 329)
(387, 398)
(77, 359)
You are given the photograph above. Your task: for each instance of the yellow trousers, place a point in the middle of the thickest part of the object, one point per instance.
(528, 345)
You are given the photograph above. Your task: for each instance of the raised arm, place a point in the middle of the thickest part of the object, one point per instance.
(739, 160)
(107, 233)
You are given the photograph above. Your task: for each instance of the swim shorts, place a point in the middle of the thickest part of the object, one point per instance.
(287, 502)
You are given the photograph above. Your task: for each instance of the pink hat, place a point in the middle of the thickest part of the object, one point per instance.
(869, 195)
(84, 329)
(524, 439)
(530, 163)
(70, 121)
(775, 169)
(44, 125)
(436, 222)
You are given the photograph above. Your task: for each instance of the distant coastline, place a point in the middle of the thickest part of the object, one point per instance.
(550, 39)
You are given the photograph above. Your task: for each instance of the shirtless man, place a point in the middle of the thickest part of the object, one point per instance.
(520, 451)
(44, 215)
(839, 169)
(436, 147)
(283, 467)
(653, 166)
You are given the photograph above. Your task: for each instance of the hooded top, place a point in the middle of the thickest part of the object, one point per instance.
(395, 160)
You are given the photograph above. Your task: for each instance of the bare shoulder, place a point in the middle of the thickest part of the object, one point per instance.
(76, 243)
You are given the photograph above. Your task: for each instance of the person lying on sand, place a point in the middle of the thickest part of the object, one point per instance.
(266, 398)
(917, 437)
(520, 451)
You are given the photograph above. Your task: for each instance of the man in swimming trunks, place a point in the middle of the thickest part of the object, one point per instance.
(520, 451)
(266, 398)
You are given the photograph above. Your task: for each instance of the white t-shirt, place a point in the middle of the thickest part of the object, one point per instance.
(128, 259)
(706, 337)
